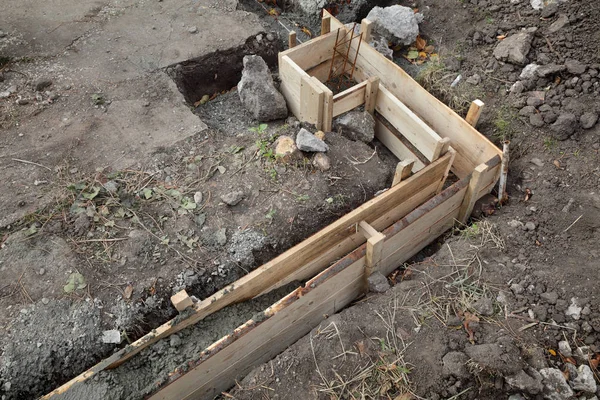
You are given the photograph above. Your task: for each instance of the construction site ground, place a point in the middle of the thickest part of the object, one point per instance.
(111, 195)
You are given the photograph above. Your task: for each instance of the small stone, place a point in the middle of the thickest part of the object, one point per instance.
(514, 48)
(286, 150)
(550, 10)
(555, 385)
(111, 336)
(530, 226)
(484, 306)
(575, 67)
(233, 198)
(42, 271)
(454, 364)
(7, 385)
(529, 72)
(200, 219)
(526, 383)
(517, 88)
(560, 23)
(585, 380)
(22, 102)
(45, 300)
(174, 340)
(221, 237)
(193, 29)
(474, 79)
(306, 141)
(378, 283)
(321, 162)
(537, 162)
(527, 110)
(517, 288)
(574, 310)
(320, 135)
(42, 84)
(536, 120)
(565, 126)
(549, 297)
(564, 348)
(534, 101)
(588, 120)
(198, 197)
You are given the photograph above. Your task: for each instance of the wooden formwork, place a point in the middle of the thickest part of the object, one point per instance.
(428, 138)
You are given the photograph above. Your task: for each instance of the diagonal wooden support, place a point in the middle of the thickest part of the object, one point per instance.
(403, 170)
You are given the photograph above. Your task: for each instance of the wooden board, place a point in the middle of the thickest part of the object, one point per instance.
(311, 102)
(313, 52)
(395, 145)
(472, 147)
(418, 133)
(291, 82)
(349, 99)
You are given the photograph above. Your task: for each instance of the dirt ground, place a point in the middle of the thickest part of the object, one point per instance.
(112, 185)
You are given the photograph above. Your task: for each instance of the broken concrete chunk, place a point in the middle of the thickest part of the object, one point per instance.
(306, 141)
(233, 198)
(378, 283)
(111, 336)
(398, 24)
(258, 93)
(357, 126)
(514, 48)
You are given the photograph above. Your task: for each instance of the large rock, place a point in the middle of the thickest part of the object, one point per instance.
(584, 381)
(398, 24)
(258, 93)
(555, 385)
(514, 48)
(306, 141)
(564, 127)
(357, 125)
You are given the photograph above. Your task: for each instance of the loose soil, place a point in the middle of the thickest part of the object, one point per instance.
(131, 230)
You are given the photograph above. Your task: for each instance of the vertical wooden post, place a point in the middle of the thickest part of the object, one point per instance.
(311, 102)
(441, 148)
(474, 112)
(327, 111)
(365, 28)
(474, 188)
(375, 240)
(371, 94)
(403, 170)
(292, 39)
(325, 25)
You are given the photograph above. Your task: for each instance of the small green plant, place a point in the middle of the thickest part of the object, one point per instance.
(302, 198)
(470, 231)
(489, 20)
(549, 143)
(503, 123)
(260, 129)
(271, 214)
(273, 174)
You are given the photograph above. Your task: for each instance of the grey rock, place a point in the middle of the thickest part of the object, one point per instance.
(233, 198)
(565, 126)
(574, 309)
(550, 10)
(588, 120)
(111, 336)
(221, 236)
(560, 23)
(258, 93)
(514, 48)
(527, 110)
(474, 79)
(42, 84)
(585, 380)
(517, 288)
(397, 23)
(357, 126)
(454, 364)
(484, 306)
(536, 161)
(42, 271)
(549, 69)
(565, 348)
(306, 141)
(529, 72)
(517, 88)
(526, 383)
(497, 359)
(530, 226)
(193, 29)
(321, 162)
(174, 340)
(45, 300)
(555, 385)
(378, 283)
(575, 67)
(516, 397)
(200, 219)
(536, 120)
(380, 44)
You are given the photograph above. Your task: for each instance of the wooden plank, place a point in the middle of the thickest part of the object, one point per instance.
(418, 133)
(475, 186)
(366, 26)
(349, 99)
(321, 71)
(292, 41)
(474, 112)
(403, 170)
(313, 52)
(268, 338)
(325, 25)
(472, 147)
(327, 107)
(311, 102)
(371, 94)
(395, 145)
(407, 196)
(291, 81)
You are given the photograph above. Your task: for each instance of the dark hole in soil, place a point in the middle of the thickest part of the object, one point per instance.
(221, 70)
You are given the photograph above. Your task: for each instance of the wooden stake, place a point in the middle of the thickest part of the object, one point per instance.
(375, 241)
(371, 94)
(181, 300)
(474, 112)
(365, 28)
(471, 195)
(441, 147)
(403, 170)
(292, 39)
(327, 111)
(325, 25)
